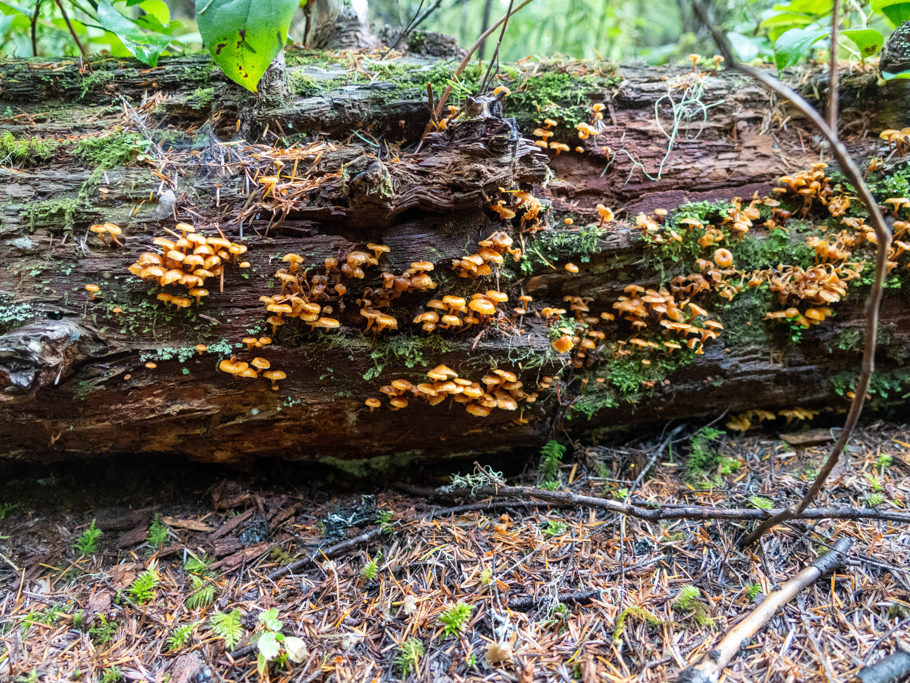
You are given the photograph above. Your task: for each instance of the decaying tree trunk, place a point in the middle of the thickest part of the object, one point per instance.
(73, 375)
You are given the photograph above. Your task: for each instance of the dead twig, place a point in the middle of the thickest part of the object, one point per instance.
(656, 512)
(873, 302)
(710, 667)
(892, 669)
(330, 552)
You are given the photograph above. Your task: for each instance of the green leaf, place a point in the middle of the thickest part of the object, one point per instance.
(895, 11)
(890, 77)
(268, 646)
(245, 36)
(761, 503)
(807, 6)
(144, 46)
(794, 45)
(778, 24)
(868, 41)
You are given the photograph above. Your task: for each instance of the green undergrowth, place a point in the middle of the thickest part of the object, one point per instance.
(549, 91)
(626, 381)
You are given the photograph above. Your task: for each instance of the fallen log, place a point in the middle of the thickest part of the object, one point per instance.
(328, 169)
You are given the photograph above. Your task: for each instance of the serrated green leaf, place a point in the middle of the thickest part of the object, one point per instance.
(144, 46)
(895, 11)
(245, 36)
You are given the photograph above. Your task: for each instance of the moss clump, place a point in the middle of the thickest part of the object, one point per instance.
(404, 348)
(639, 613)
(689, 604)
(112, 150)
(26, 150)
(556, 94)
(624, 380)
(551, 246)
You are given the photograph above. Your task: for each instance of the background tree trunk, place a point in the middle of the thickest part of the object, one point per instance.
(73, 381)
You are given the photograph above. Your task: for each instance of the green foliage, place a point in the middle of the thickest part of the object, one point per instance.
(549, 247)
(180, 636)
(102, 631)
(407, 660)
(752, 591)
(142, 589)
(799, 27)
(639, 613)
(117, 26)
(371, 569)
(110, 151)
(455, 619)
(554, 528)
(761, 503)
(25, 150)
(112, 675)
(245, 36)
(688, 602)
(87, 543)
(550, 459)
(273, 645)
(873, 499)
(6, 508)
(404, 348)
(705, 465)
(157, 535)
(228, 626)
(202, 593)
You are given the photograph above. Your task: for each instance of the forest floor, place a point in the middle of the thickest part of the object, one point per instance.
(185, 555)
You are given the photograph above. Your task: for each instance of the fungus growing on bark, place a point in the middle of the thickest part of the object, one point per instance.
(274, 376)
(92, 291)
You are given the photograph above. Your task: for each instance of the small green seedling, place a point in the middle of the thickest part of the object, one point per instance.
(87, 543)
(455, 619)
(273, 645)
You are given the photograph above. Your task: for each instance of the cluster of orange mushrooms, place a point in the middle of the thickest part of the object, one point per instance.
(899, 140)
(492, 250)
(187, 261)
(256, 367)
(585, 130)
(805, 294)
(744, 421)
(498, 389)
(641, 307)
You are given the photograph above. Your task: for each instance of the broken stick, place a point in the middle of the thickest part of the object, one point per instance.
(712, 664)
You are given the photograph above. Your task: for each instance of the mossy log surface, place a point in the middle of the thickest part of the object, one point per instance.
(73, 381)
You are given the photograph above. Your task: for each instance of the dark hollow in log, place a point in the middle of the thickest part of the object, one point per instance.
(73, 379)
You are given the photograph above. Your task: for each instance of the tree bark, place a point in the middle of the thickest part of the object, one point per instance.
(73, 381)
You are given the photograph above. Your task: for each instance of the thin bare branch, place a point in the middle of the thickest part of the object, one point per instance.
(873, 302)
(656, 512)
(712, 664)
(832, 70)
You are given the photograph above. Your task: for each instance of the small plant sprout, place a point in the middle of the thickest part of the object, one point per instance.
(272, 643)
(87, 543)
(371, 569)
(158, 532)
(455, 619)
(410, 652)
(142, 590)
(227, 626)
(180, 636)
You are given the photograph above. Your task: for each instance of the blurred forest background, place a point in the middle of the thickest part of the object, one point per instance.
(621, 30)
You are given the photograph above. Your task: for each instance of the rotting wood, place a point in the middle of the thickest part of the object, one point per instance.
(64, 393)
